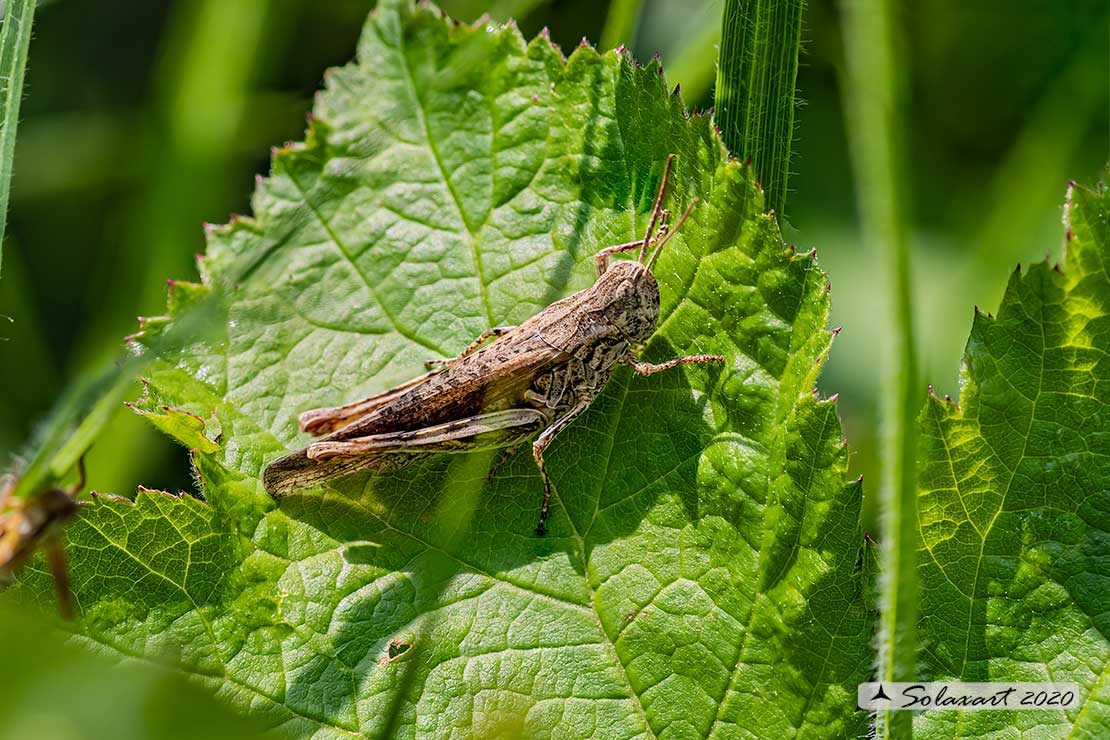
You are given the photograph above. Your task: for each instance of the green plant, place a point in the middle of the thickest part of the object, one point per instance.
(492, 191)
(876, 104)
(15, 38)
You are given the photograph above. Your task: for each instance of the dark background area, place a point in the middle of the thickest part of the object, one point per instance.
(142, 120)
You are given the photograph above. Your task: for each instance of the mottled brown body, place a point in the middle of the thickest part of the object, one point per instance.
(533, 378)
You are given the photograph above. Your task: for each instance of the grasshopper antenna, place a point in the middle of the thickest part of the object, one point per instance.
(672, 232)
(655, 209)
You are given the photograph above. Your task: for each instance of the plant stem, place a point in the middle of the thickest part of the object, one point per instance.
(874, 102)
(756, 74)
(15, 39)
(621, 23)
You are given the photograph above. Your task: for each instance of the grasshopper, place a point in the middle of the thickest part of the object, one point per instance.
(26, 524)
(533, 378)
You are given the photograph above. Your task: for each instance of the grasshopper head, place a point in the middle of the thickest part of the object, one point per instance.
(629, 299)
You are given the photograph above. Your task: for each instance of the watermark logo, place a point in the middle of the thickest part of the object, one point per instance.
(943, 696)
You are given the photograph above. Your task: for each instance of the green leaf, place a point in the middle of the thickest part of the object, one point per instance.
(1015, 500)
(702, 572)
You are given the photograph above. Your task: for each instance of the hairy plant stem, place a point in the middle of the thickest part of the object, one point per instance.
(756, 75)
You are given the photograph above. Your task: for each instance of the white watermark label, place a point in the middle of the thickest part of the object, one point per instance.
(964, 697)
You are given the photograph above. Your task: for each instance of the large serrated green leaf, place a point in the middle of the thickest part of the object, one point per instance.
(701, 575)
(1015, 500)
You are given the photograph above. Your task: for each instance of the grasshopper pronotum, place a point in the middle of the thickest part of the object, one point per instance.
(533, 378)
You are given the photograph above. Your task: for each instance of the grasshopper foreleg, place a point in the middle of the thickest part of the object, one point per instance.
(601, 259)
(648, 368)
(497, 331)
(483, 431)
(538, 448)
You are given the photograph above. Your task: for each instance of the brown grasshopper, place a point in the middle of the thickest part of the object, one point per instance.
(535, 377)
(26, 524)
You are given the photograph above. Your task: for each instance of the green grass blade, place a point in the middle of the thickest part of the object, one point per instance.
(15, 38)
(621, 23)
(874, 100)
(756, 74)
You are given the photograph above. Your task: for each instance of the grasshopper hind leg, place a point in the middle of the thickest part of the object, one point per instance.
(538, 448)
(491, 430)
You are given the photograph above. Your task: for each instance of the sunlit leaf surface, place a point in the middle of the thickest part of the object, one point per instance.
(1015, 506)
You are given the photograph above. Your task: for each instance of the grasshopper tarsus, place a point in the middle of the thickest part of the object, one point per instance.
(537, 377)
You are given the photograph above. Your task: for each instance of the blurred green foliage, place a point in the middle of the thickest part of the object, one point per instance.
(143, 120)
(58, 691)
